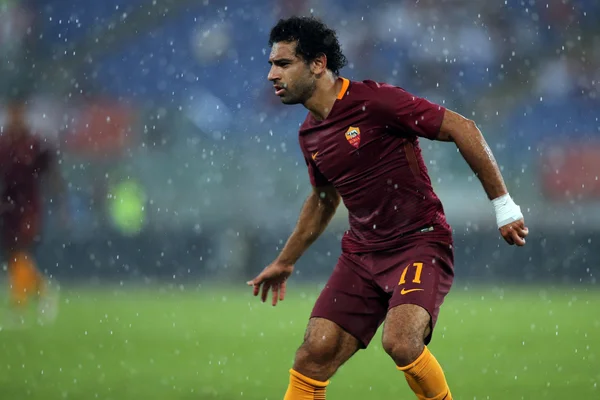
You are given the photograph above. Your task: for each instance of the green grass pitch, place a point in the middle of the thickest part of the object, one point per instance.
(221, 343)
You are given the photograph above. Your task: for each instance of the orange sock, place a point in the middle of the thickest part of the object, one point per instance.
(25, 279)
(426, 378)
(304, 388)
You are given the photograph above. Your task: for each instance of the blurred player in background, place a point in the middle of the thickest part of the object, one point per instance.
(25, 160)
(360, 143)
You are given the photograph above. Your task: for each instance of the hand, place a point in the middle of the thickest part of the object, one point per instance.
(515, 232)
(272, 277)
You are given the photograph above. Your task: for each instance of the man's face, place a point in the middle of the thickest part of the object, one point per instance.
(292, 77)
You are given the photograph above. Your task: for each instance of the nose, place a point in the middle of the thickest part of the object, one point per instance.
(273, 75)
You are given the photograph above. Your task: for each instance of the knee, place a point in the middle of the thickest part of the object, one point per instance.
(317, 351)
(403, 349)
(318, 358)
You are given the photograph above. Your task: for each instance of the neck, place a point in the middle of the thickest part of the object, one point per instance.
(322, 100)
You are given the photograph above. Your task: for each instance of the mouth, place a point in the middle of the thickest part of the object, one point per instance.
(279, 90)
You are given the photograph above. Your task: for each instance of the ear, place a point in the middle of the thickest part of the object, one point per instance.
(319, 64)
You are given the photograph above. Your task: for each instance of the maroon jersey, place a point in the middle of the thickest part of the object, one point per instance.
(22, 162)
(368, 149)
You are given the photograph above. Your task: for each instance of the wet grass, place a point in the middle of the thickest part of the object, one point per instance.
(220, 343)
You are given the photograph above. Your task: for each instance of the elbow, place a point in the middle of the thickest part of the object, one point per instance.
(456, 127)
(471, 126)
(468, 130)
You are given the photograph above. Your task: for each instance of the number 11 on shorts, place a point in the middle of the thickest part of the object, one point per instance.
(418, 268)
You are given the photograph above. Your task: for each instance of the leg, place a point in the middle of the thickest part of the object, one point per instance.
(419, 290)
(344, 320)
(19, 234)
(25, 279)
(404, 332)
(326, 347)
(406, 328)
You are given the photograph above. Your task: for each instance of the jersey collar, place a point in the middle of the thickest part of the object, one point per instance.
(344, 89)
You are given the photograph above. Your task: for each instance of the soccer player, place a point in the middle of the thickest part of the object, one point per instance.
(360, 143)
(24, 160)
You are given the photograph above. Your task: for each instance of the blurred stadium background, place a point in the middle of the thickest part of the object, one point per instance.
(185, 178)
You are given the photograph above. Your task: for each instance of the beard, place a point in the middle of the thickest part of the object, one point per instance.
(300, 92)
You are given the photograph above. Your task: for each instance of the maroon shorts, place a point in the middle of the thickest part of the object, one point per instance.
(363, 287)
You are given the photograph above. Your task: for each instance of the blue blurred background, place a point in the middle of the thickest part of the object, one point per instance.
(182, 164)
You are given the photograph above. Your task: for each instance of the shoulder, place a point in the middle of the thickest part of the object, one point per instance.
(370, 88)
(379, 97)
(377, 93)
(366, 89)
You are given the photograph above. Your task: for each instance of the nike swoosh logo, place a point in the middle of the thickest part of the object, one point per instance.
(404, 291)
(314, 156)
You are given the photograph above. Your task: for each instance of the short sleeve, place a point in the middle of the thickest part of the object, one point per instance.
(409, 113)
(316, 177)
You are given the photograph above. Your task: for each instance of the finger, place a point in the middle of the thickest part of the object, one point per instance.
(275, 290)
(507, 236)
(282, 292)
(256, 282)
(516, 237)
(518, 240)
(522, 233)
(265, 291)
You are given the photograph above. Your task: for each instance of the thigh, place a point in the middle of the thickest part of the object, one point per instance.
(351, 300)
(420, 274)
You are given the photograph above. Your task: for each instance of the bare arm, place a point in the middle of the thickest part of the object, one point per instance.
(318, 209)
(316, 214)
(475, 150)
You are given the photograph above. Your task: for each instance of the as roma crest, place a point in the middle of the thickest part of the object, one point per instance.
(353, 136)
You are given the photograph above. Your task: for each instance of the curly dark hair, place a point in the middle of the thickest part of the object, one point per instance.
(313, 37)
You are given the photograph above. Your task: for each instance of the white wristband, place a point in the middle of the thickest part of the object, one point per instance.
(506, 210)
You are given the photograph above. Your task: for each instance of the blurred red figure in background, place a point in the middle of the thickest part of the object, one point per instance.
(25, 159)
